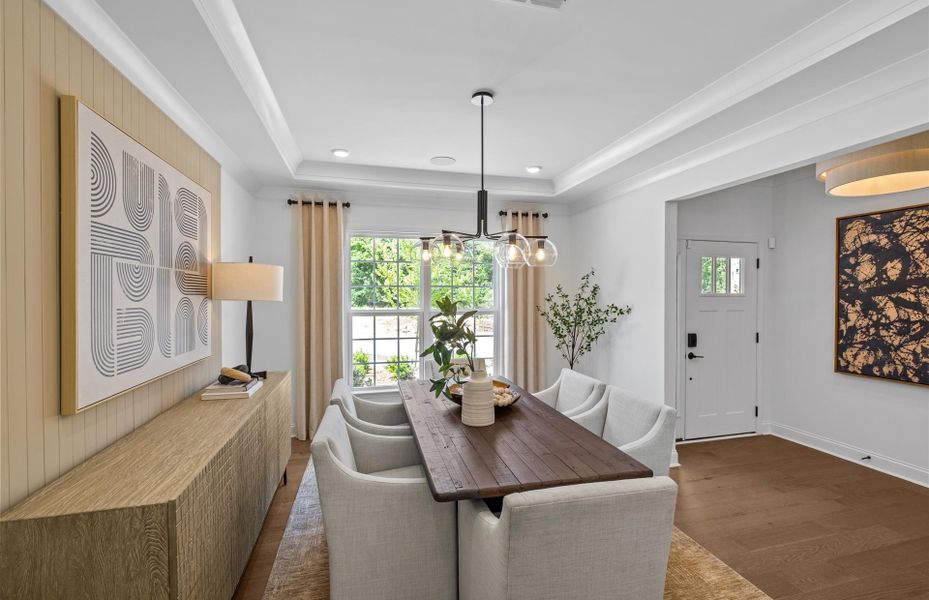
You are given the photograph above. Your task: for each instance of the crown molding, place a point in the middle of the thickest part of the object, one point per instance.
(849, 23)
(93, 23)
(883, 105)
(225, 24)
(324, 173)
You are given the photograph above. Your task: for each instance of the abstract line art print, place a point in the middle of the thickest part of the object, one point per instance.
(882, 294)
(135, 262)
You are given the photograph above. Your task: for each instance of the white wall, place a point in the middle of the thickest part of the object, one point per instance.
(235, 246)
(624, 241)
(800, 397)
(847, 415)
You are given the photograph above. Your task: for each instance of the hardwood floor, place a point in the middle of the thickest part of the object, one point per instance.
(802, 524)
(798, 523)
(252, 584)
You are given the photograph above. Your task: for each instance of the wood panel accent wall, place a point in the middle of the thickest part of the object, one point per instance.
(43, 58)
(172, 511)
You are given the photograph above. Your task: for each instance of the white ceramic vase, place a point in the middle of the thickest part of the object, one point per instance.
(477, 398)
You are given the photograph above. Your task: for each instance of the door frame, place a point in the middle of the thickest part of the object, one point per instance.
(680, 306)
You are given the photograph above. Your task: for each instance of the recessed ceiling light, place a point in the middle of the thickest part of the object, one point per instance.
(340, 152)
(442, 161)
(533, 169)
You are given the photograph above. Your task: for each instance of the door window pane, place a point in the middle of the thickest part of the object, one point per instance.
(720, 280)
(706, 275)
(735, 276)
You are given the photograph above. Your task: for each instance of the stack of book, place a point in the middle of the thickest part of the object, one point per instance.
(227, 391)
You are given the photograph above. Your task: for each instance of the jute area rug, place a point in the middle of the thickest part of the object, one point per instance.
(301, 569)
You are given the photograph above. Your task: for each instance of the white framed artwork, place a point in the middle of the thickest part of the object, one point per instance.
(135, 259)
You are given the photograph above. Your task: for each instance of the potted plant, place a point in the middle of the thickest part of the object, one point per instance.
(453, 352)
(578, 322)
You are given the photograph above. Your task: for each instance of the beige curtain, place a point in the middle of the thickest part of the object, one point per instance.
(319, 310)
(524, 352)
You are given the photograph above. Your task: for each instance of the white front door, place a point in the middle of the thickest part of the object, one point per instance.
(720, 338)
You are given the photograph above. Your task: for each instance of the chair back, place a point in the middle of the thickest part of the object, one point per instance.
(577, 389)
(628, 417)
(608, 539)
(331, 439)
(342, 394)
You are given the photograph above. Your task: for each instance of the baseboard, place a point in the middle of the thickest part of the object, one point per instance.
(884, 464)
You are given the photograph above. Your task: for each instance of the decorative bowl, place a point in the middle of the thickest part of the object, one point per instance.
(455, 391)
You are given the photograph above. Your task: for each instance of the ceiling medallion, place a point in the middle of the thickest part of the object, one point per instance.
(511, 249)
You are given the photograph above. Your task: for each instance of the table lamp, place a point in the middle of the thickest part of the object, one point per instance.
(249, 281)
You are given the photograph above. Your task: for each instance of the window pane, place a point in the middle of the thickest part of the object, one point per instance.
(706, 275)
(385, 249)
(484, 297)
(385, 274)
(363, 297)
(409, 349)
(462, 275)
(383, 375)
(483, 274)
(409, 274)
(384, 350)
(362, 327)
(385, 327)
(386, 297)
(464, 297)
(362, 373)
(441, 273)
(408, 297)
(484, 325)
(438, 293)
(735, 275)
(362, 248)
(409, 326)
(721, 281)
(410, 250)
(362, 273)
(362, 351)
(401, 370)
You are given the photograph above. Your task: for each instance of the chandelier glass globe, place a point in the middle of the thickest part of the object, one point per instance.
(511, 251)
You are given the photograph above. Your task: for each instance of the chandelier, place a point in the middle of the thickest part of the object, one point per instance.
(511, 250)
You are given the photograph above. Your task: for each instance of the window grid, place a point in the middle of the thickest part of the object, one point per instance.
(379, 356)
(721, 276)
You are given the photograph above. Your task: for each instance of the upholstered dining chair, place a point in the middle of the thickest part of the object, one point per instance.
(388, 538)
(572, 393)
(379, 418)
(607, 539)
(642, 429)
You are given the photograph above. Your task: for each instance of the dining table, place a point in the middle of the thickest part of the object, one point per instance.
(529, 446)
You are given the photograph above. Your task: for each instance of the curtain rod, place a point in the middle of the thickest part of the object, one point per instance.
(291, 202)
(544, 215)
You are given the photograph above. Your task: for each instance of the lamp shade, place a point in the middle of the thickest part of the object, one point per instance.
(248, 281)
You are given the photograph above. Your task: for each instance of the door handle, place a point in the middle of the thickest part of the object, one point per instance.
(691, 356)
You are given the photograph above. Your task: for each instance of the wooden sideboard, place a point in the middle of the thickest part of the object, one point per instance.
(172, 510)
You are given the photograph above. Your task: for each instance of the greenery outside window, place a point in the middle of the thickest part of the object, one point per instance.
(387, 284)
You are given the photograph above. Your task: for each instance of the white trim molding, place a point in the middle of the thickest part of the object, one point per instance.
(849, 23)
(224, 22)
(878, 462)
(95, 25)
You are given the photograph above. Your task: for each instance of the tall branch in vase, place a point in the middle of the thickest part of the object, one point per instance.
(578, 322)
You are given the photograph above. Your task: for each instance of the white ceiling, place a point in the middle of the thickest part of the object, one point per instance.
(596, 93)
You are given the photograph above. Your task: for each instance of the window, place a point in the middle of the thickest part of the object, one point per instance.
(721, 276)
(389, 321)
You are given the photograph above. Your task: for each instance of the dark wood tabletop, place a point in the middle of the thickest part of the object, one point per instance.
(529, 446)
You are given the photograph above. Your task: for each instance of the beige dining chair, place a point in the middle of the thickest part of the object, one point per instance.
(642, 429)
(594, 541)
(572, 393)
(380, 418)
(388, 538)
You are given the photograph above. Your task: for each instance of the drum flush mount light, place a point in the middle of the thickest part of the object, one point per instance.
(511, 250)
(896, 166)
